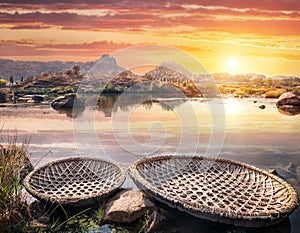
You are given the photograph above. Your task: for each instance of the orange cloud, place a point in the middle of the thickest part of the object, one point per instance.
(28, 48)
(209, 29)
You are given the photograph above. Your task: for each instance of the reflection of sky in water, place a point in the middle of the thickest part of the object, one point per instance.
(247, 126)
(262, 137)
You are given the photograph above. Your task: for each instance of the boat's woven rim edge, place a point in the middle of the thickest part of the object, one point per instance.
(70, 201)
(134, 173)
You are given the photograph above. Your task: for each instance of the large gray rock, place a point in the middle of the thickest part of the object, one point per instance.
(127, 206)
(290, 99)
(67, 102)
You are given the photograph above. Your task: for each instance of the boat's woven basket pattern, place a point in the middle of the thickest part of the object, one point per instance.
(216, 189)
(75, 181)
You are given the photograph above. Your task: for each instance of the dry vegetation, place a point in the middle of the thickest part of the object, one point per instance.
(14, 212)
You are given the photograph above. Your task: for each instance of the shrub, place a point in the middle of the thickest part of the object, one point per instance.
(240, 92)
(69, 89)
(210, 89)
(274, 93)
(3, 82)
(28, 80)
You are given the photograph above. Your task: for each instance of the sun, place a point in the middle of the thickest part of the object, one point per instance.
(232, 64)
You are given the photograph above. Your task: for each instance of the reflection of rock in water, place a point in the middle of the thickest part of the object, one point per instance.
(290, 111)
(73, 113)
(109, 103)
(106, 104)
(149, 103)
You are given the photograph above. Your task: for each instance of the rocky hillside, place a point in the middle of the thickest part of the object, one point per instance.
(25, 69)
(56, 80)
(176, 76)
(106, 76)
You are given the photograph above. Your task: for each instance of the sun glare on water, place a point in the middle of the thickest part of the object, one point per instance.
(231, 107)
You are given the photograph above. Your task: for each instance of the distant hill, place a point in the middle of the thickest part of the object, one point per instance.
(106, 76)
(177, 76)
(57, 78)
(26, 69)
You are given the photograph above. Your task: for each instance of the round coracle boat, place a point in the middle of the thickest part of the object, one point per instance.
(216, 189)
(75, 181)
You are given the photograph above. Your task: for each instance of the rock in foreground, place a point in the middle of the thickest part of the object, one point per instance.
(127, 206)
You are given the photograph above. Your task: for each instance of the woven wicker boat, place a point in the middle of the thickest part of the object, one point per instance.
(216, 189)
(75, 181)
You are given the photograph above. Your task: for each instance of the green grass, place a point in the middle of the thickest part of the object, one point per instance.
(145, 222)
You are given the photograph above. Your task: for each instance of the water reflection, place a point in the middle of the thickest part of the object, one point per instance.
(289, 111)
(178, 222)
(262, 138)
(231, 106)
(112, 103)
(72, 113)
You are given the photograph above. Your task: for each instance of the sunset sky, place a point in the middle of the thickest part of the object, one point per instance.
(235, 36)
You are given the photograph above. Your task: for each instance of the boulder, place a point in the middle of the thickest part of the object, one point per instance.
(38, 98)
(67, 102)
(289, 99)
(127, 206)
(262, 106)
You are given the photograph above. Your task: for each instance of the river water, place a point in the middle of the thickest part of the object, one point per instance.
(126, 131)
